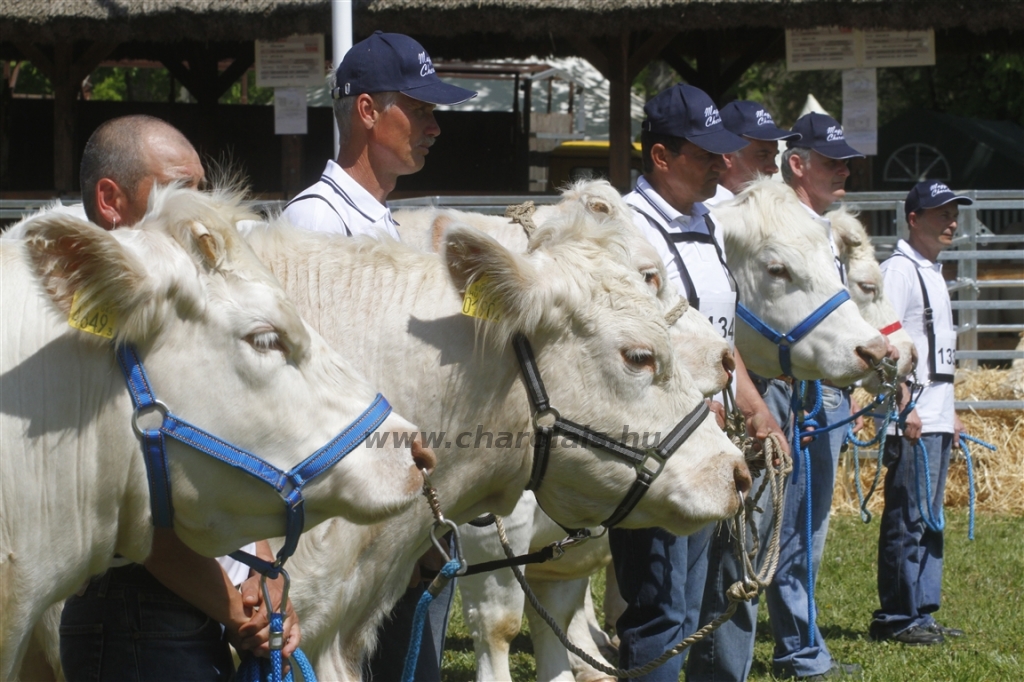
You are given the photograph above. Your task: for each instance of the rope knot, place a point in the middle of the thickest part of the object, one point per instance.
(740, 592)
(523, 215)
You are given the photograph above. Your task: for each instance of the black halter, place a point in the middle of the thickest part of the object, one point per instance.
(645, 473)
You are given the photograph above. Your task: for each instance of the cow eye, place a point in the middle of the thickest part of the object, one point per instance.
(652, 278)
(639, 358)
(868, 287)
(266, 341)
(778, 270)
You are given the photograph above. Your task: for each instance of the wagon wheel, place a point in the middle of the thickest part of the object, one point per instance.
(915, 163)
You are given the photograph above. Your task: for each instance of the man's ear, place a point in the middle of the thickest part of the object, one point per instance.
(110, 204)
(796, 164)
(366, 110)
(659, 156)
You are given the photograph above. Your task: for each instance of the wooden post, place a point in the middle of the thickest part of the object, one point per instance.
(291, 165)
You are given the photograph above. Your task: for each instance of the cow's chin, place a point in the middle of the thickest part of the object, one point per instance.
(378, 490)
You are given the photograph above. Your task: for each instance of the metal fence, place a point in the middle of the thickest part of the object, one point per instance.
(991, 231)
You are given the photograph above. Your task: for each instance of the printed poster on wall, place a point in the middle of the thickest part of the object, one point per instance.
(295, 61)
(860, 110)
(290, 111)
(821, 48)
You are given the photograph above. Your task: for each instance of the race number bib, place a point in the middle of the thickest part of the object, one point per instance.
(720, 309)
(945, 352)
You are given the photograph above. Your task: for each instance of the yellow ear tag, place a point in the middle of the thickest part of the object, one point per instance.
(478, 301)
(99, 321)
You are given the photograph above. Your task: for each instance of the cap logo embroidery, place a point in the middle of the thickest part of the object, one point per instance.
(764, 118)
(939, 188)
(834, 133)
(426, 66)
(711, 116)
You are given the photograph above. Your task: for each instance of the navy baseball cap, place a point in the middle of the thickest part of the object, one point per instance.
(823, 134)
(931, 194)
(752, 120)
(687, 112)
(392, 62)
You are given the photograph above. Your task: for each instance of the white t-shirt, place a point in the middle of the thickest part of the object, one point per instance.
(935, 405)
(693, 253)
(337, 203)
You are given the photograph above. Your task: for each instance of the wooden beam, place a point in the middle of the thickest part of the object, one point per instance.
(90, 59)
(37, 57)
(236, 70)
(680, 65)
(645, 54)
(64, 95)
(620, 87)
(593, 54)
(734, 72)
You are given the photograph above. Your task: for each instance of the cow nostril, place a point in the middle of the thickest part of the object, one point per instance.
(913, 356)
(871, 354)
(728, 362)
(423, 456)
(742, 477)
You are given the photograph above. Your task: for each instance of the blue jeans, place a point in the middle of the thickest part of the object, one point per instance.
(388, 661)
(909, 554)
(727, 653)
(788, 594)
(661, 578)
(128, 627)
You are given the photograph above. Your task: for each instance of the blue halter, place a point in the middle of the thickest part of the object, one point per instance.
(786, 341)
(288, 484)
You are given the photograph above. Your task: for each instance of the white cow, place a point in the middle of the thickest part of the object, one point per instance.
(864, 282)
(224, 348)
(493, 604)
(603, 350)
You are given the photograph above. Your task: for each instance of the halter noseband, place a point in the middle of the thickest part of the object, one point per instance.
(648, 463)
(786, 341)
(288, 484)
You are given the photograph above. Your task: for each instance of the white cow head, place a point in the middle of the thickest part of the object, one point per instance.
(785, 270)
(702, 351)
(864, 282)
(607, 359)
(227, 351)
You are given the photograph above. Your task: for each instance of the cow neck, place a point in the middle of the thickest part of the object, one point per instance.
(786, 341)
(547, 422)
(288, 484)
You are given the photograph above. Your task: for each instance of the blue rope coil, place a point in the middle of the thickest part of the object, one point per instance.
(255, 669)
(419, 621)
(964, 437)
(933, 522)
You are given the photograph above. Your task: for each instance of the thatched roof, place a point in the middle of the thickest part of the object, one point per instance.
(47, 21)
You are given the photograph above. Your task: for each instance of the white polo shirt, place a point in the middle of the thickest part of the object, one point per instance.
(722, 195)
(903, 289)
(337, 203)
(693, 253)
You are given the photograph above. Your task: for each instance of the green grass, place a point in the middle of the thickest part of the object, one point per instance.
(983, 593)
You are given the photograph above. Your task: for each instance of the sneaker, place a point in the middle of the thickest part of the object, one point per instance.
(917, 635)
(944, 631)
(838, 671)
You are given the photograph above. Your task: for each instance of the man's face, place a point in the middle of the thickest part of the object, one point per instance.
(403, 134)
(934, 228)
(168, 159)
(824, 180)
(694, 172)
(757, 157)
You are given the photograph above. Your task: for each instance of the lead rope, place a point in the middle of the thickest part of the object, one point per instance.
(970, 477)
(454, 565)
(739, 591)
(253, 669)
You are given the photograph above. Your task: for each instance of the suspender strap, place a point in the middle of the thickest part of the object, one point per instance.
(348, 233)
(684, 274)
(929, 326)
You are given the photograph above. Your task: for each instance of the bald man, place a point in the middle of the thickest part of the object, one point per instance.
(162, 619)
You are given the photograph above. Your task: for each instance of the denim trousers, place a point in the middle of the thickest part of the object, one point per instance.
(909, 553)
(393, 637)
(128, 627)
(788, 595)
(727, 653)
(661, 578)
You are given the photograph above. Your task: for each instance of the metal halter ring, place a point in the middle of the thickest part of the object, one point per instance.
(456, 544)
(157, 406)
(549, 412)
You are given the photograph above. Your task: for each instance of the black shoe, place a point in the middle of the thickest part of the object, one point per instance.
(944, 631)
(918, 636)
(838, 671)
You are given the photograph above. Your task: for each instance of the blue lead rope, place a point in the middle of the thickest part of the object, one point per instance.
(255, 669)
(419, 621)
(970, 477)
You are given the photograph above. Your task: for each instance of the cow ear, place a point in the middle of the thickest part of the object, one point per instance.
(472, 255)
(74, 258)
(210, 246)
(596, 205)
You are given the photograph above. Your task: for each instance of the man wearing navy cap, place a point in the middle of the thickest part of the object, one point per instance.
(909, 546)
(754, 123)
(384, 92)
(661, 576)
(815, 166)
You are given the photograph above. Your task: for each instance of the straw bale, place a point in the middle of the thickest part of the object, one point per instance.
(999, 475)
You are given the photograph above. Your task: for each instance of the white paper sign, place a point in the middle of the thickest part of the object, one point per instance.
(821, 48)
(290, 111)
(290, 62)
(860, 110)
(899, 48)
